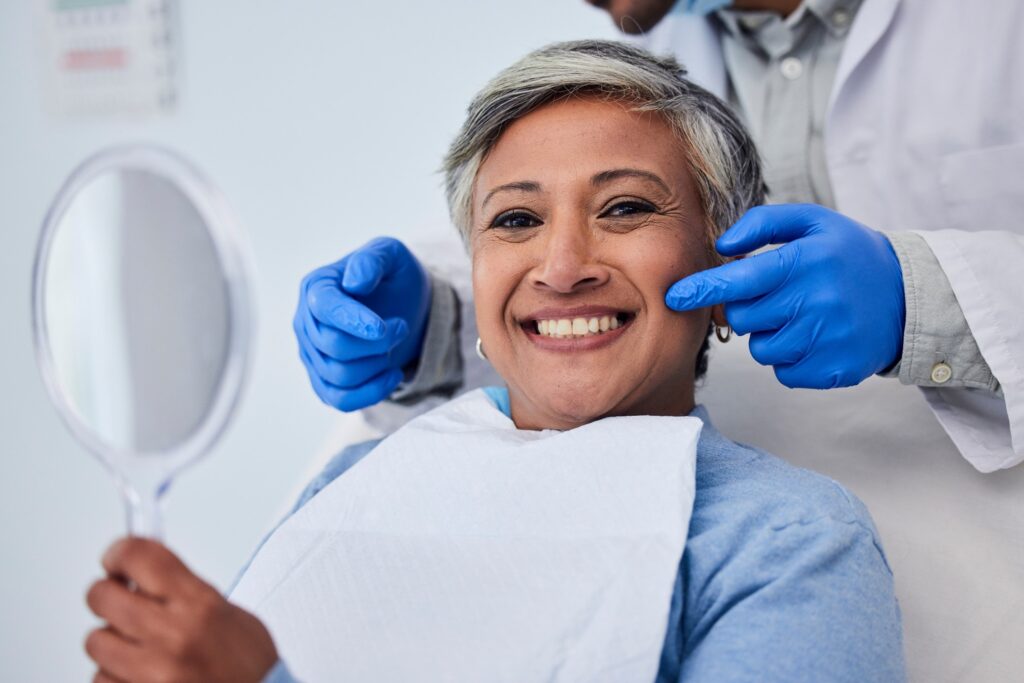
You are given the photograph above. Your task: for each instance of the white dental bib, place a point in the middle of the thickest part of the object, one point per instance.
(462, 549)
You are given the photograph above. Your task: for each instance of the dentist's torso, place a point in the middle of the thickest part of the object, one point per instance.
(925, 132)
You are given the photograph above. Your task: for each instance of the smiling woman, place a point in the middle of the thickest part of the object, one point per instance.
(570, 526)
(600, 238)
(587, 179)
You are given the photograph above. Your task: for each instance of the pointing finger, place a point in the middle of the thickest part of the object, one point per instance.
(764, 225)
(745, 279)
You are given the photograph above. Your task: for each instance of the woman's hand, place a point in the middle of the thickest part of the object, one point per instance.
(173, 626)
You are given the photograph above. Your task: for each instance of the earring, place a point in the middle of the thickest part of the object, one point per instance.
(480, 349)
(723, 337)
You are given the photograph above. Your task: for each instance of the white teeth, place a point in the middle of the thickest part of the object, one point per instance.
(577, 327)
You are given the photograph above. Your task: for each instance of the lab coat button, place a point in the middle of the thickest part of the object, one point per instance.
(791, 68)
(941, 373)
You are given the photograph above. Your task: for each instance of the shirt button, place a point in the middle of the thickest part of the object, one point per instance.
(791, 68)
(841, 18)
(941, 373)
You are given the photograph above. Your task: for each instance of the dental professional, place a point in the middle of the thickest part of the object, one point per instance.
(892, 133)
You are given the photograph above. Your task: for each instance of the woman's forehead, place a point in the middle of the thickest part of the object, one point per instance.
(581, 137)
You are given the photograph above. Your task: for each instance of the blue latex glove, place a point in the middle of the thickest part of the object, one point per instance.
(360, 321)
(826, 308)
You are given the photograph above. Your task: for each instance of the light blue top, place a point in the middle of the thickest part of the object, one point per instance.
(783, 577)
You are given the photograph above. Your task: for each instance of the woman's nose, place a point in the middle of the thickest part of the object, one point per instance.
(570, 261)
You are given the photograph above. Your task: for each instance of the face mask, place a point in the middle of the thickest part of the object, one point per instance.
(699, 7)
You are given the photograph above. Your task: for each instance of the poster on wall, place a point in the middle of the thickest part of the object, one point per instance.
(110, 57)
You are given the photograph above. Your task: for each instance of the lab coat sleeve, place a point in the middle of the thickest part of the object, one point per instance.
(439, 368)
(936, 330)
(984, 270)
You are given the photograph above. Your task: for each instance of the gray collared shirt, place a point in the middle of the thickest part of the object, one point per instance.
(781, 72)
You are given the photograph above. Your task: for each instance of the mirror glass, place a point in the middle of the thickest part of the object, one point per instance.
(141, 320)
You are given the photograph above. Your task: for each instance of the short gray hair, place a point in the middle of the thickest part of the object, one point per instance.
(722, 157)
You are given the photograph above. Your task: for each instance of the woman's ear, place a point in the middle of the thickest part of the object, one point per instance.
(718, 315)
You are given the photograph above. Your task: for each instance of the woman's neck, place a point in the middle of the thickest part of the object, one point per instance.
(668, 402)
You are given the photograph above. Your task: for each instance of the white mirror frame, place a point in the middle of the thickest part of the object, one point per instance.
(234, 260)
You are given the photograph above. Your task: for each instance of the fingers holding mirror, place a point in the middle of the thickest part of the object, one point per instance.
(174, 622)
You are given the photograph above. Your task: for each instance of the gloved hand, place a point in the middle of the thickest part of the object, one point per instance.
(360, 321)
(826, 308)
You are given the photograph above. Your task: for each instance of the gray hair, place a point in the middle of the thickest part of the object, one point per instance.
(723, 159)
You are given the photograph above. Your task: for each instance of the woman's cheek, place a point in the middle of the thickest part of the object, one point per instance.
(492, 288)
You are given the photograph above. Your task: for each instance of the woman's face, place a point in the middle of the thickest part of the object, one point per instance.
(584, 213)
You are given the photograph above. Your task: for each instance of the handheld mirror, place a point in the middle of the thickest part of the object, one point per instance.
(141, 316)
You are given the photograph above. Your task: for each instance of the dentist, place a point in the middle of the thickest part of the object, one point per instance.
(893, 139)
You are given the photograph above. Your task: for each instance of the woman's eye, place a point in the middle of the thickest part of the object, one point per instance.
(631, 208)
(515, 219)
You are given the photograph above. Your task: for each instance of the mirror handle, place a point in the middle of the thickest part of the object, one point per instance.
(143, 505)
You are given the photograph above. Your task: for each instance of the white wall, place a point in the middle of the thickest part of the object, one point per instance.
(323, 123)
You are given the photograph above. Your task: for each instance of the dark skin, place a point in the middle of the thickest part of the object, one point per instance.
(172, 626)
(639, 16)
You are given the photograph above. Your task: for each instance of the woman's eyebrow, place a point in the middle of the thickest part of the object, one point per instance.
(518, 186)
(616, 173)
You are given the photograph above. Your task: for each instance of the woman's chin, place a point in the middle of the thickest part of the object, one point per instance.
(569, 409)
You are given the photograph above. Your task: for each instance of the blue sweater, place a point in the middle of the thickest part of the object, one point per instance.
(783, 577)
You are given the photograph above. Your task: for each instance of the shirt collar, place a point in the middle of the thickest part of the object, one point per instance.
(777, 36)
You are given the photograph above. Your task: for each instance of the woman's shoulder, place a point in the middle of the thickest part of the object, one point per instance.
(743, 485)
(773, 552)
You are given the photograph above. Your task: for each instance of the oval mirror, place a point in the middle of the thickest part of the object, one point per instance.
(141, 317)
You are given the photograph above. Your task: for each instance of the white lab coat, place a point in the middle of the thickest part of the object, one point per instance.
(925, 132)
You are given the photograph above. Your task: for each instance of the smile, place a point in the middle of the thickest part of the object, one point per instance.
(562, 328)
(576, 329)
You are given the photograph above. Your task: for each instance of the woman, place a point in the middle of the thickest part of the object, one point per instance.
(587, 178)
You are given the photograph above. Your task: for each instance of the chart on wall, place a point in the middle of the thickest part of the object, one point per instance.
(110, 57)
